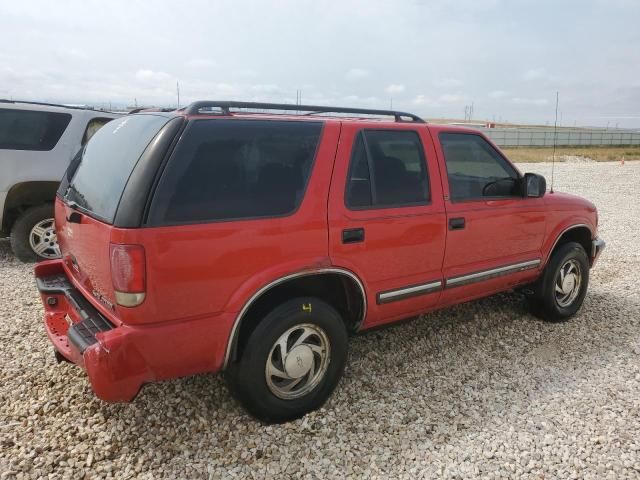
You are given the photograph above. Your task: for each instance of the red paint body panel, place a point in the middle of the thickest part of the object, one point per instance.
(497, 233)
(563, 212)
(403, 246)
(128, 356)
(199, 277)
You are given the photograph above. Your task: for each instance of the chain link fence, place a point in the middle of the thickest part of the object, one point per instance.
(543, 137)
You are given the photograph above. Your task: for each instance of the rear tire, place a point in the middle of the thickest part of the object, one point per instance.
(559, 293)
(276, 388)
(35, 227)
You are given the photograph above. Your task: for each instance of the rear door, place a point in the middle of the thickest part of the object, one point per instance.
(387, 218)
(494, 233)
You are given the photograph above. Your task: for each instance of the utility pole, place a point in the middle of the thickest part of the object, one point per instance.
(178, 92)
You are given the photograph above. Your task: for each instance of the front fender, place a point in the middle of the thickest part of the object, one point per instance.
(559, 229)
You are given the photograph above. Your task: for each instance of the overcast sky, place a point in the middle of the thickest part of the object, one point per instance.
(428, 57)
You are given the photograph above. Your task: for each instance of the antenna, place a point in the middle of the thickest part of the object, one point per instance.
(555, 140)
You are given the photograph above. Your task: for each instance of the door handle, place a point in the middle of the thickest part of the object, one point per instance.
(353, 235)
(74, 217)
(456, 223)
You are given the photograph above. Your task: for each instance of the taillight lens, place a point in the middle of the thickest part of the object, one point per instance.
(128, 274)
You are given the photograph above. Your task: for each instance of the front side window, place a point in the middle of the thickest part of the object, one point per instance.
(236, 169)
(475, 169)
(387, 169)
(30, 129)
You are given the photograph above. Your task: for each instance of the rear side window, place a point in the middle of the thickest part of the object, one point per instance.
(93, 126)
(387, 169)
(31, 130)
(100, 171)
(235, 169)
(475, 169)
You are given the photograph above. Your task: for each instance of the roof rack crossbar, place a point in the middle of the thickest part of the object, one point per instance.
(225, 107)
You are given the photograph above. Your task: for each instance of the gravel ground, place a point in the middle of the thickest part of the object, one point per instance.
(483, 389)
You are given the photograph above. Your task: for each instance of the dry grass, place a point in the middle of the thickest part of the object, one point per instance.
(598, 154)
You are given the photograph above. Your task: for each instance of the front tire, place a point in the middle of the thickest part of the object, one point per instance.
(33, 235)
(559, 293)
(292, 361)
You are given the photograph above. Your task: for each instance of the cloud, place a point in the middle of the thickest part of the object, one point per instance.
(394, 88)
(80, 53)
(357, 100)
(422, 100)
(146, 75)
(356, 74)
(530, 101)
(448, 83)
(537, 74)
(200, 63)
(265, 87)
(451, 98)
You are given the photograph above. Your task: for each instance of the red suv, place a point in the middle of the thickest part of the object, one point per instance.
(223, 237)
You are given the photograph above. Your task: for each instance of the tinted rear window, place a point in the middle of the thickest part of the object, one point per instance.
(388, 169)
(100, 172)
(234, 169)
(31, 130)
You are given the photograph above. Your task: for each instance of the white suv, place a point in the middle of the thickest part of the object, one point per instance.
(37, 142)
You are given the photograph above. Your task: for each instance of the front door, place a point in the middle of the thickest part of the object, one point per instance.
(494, 234)
(387, 218)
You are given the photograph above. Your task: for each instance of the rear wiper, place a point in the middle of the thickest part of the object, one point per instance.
(67, 200)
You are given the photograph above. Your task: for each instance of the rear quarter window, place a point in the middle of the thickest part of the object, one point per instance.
(31, 129)
(236, 169)
(93, 126)
(99, 173)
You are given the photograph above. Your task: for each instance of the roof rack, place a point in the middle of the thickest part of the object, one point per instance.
(151, 109)
(225, 106)
(45, 104)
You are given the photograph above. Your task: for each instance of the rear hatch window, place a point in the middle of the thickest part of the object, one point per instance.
(98, 175)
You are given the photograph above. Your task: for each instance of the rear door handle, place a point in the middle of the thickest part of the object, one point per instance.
(456, 223)
(74, 217)
(353, 235)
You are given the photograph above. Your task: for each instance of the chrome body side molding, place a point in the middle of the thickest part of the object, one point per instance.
(406, 292)
(492, 273)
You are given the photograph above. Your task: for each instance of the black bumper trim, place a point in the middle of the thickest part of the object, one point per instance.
(82, 334)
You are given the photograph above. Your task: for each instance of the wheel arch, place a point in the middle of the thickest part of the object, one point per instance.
(25, 195)
(581, 233)
(322, 282)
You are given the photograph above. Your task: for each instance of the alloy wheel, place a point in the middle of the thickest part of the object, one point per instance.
(43, 239)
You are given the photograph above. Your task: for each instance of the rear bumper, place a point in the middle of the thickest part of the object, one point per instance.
(597, 246)
(119, 359)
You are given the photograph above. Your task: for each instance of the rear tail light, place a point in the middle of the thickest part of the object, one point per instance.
(128, 274)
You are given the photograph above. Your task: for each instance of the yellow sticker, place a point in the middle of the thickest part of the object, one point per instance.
(306, 307)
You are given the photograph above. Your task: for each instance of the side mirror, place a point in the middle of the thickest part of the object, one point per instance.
(534, 185)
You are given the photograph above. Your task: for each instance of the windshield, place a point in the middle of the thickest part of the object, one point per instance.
(97, 176)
